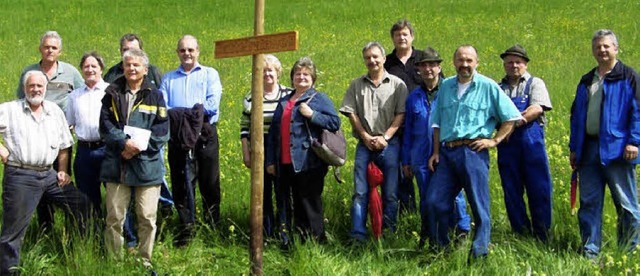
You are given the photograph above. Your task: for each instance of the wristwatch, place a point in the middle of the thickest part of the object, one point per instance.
(386, 138)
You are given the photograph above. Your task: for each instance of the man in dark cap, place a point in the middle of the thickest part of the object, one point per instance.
(522, 159)
(418, 138)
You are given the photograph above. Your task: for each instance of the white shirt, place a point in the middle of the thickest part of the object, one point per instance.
(83, 111)
(34, 141)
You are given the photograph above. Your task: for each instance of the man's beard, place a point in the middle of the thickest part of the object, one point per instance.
(35, 100)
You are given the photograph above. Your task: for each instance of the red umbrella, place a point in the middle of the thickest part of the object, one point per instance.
(574, 189)
(375, 178)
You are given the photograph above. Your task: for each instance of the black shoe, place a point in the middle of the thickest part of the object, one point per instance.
(184, 238)
(421, 243)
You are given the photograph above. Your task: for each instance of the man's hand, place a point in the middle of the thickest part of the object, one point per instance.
(630, 152)
(4, 154)
(130, 150)
(271, 169)
(572, 160)
(433, 161)
(305, 110)
(246, 159)
(480, 144)
(368, 141)
(63, 179)
(406, 169)
(379, 143)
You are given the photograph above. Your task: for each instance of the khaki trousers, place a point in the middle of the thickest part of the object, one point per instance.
(146, 205)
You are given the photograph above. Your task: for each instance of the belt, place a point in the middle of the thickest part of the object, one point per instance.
(28, 167)
(592, 137)
(458, 143)
(90, 144)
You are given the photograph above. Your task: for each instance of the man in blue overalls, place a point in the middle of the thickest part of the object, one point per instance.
(417, 142)
(522, 158)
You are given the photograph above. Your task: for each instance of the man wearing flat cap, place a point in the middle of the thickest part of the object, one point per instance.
(418, 139)
(522, 159)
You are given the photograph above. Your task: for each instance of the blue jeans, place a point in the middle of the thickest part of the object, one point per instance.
(166, 200)
(22, 189)
(459, 218)
(86, 166)
(620, 176)
(460, 168)
(387, 160)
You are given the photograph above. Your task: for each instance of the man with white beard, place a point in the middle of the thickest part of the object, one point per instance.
(35, 133)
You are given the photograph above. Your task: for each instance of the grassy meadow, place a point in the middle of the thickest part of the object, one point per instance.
(556, 34)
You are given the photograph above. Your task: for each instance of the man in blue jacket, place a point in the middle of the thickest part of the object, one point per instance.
(605, 133)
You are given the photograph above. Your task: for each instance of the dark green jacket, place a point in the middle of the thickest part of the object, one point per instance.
(149, 112)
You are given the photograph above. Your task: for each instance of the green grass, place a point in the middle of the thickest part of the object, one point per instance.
(556, 33)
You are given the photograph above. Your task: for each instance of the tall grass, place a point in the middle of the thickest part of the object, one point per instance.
(556, 34)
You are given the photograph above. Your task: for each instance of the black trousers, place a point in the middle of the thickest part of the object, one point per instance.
(306, 189)
(201, 165)
(45, 209)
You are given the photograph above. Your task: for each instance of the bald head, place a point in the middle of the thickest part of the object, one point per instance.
(465, 60)
(188, 52)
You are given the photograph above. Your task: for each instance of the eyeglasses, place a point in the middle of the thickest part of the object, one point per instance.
(185, 50)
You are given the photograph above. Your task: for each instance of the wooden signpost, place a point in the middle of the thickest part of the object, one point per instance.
(257, 45)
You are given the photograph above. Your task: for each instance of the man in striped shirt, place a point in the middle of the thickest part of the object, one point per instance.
(35, 133)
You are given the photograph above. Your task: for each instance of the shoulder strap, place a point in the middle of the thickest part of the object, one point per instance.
(527, 86)
(305, 120)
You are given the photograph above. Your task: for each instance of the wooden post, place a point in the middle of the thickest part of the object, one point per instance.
(257, 45)
(257, 150)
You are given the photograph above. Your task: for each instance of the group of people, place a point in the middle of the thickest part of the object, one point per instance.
(404, 111)
(122, 123)
(409, 120)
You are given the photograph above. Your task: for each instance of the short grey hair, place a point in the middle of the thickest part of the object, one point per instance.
(51, 34)
(272, 60)
(604, 33)
(188, 37)
(373, 44)
(31, 73)
(137, 53)
(304, 62)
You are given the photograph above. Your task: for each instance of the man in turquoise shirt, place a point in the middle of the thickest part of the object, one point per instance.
(469, 106)
(191, 84)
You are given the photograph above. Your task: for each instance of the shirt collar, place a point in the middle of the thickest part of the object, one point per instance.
(101, 85)
(196, 67)
(385, 77)
(27, 108)
(59, 69)
(524, 78)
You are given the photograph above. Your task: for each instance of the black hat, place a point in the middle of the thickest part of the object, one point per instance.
(516, 50)
(429, 55)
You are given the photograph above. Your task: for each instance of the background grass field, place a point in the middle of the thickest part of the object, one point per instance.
(556, 34)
